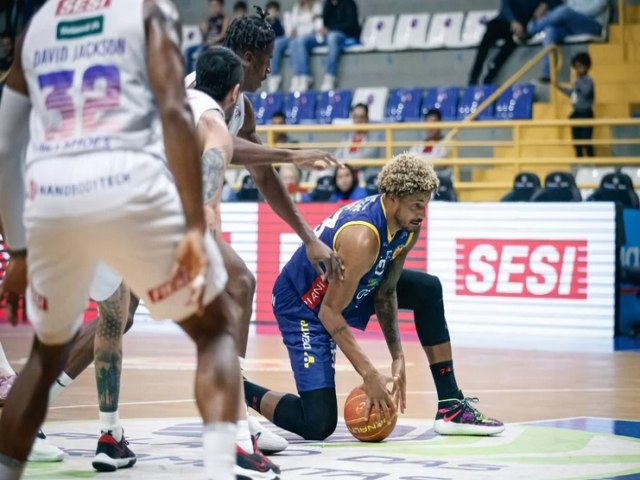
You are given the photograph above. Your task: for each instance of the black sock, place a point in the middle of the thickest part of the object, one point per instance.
(253, 394)
(445, 380)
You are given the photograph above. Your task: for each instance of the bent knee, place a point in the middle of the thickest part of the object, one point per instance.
(241, 284)
(320, 428)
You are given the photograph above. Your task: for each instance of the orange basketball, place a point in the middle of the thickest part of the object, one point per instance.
(371, 430)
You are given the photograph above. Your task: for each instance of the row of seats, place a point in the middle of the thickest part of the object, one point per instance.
(561, 187)
(396, 105)
(422, 31)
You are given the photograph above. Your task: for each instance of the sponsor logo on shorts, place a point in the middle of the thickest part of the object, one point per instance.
(76, 189)
(522, 268)
(308, 359)
(306, 337)
(71, 7)
(315, 294)
(80, 28)
(165, 290)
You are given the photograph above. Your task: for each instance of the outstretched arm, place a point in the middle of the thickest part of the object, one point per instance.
(275, 193)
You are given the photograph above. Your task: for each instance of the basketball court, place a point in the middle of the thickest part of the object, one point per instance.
(572, 411)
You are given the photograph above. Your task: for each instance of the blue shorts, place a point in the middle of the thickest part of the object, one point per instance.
(312, 351)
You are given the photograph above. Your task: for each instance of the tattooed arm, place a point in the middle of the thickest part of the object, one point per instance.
(359, 247)
(386, 306)
(216, 146)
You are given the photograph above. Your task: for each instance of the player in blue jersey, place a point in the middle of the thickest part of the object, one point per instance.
(372, 237)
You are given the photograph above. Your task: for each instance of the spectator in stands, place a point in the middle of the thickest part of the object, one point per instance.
(576, 17)
(7, 52)
(228, 194)
(430, 150)
(240, 9)
(7, 57)
(290, 175)
(273, 17)
(582, 95)
(357, 148)
(341, 25)
(305, 19)
(213, 30)
(347, 185)
(510, 22)
(279, 118)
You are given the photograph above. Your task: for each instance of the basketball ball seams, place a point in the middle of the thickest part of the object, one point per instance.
(371, 430)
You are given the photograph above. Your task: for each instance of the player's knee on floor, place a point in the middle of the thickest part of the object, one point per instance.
(313, 415)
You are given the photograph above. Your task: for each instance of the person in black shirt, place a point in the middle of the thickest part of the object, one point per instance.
(273, 17)
(7, 51)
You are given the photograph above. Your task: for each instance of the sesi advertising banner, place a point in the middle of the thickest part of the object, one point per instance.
(505, 267)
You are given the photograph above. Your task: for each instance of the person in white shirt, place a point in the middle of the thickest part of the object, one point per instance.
(429, 149)
(305, 18)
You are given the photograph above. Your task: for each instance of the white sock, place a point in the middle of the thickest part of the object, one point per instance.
(218, 440)
(243, 436)
(5, 366)
(62, 382)
(110, 422)
(10, 469)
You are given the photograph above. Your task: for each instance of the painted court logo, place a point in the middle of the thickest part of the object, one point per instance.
(171, 448)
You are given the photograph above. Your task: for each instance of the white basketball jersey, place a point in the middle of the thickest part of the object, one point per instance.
(236, 121)
(86, 68)
(200, 102)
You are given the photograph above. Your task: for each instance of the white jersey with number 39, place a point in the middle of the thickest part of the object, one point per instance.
(86, 67)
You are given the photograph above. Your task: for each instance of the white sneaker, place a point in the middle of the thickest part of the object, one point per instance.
(273, 83)
(304, 83)
(44, 451)
(295, 82)
(268, 441)
(328, 83)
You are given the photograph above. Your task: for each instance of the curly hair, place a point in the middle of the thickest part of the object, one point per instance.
(407, 174)
(252, 33)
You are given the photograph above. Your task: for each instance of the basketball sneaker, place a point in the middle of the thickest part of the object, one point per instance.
(6, 382)
(268, 441)
(459, 417)
(43, 451)
(254, 466)
(112, 455)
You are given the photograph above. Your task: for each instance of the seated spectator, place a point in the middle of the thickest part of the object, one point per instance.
(273, 17)
(279, 118)
(306, 19)
(213, 31)
(576, 17)
(228, 194)
(430, 150)
(347, 185)
(240, 9)
(7, 53)
(341, 25)
(290, 176)
(357, 148)
(510, 22)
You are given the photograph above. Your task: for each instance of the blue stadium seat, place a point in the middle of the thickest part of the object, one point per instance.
(472, 97)
(444, 99)
(334, 104)
(300, 107)
(266, 105)
(516, 102)
(403, 105)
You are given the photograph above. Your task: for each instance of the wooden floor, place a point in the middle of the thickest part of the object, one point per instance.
(513, 385)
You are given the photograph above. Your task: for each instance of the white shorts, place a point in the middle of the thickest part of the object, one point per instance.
(119, 208)
(104, 284)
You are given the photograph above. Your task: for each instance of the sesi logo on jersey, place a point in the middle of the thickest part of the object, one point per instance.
(72, 7)
(522, 268)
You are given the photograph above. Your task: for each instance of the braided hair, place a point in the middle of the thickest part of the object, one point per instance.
(250, 34)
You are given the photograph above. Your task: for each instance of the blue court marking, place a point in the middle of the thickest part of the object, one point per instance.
(625, 428)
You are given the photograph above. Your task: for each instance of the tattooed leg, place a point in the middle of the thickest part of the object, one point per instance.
(108, 357)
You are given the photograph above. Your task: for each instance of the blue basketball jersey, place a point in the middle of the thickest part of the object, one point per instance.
(310, 287)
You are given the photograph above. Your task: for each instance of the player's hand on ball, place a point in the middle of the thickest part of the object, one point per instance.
(320, 254)
(191, 261)
(399, 375)
(14, 285)
(378, 397)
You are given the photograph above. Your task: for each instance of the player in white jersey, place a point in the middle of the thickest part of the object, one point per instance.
(103, 83)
